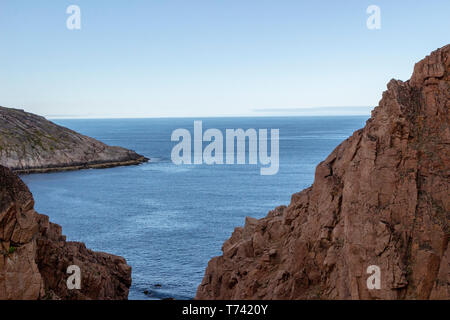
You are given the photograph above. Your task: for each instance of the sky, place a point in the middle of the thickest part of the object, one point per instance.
(192, 58)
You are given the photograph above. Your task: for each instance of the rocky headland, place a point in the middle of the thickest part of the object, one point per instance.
(31, 144)
(35, 256)
(381, 198)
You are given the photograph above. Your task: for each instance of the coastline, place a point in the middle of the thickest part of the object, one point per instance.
(31, 144)
(82, 166)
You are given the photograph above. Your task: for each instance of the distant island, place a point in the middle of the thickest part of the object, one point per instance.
(31, 144)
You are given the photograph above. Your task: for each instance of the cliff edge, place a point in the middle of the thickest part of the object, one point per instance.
(30, 143)
(35, 256)
(381, 198)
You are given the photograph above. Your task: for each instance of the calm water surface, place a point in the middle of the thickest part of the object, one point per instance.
(168, 220)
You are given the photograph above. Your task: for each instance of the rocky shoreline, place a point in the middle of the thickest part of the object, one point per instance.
(31, 144)
(82, 166)
(34, 255)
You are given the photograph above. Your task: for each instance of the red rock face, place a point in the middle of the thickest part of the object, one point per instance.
(34, 255)
(380, 198)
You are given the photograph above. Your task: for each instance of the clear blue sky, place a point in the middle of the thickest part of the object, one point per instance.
(208, 57)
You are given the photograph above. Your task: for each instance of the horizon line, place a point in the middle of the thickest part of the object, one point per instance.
(259, 113)
(206, 117)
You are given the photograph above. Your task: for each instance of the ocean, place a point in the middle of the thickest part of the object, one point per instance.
(168, 221)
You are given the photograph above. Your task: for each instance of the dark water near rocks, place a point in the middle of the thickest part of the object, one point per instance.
(168, 220)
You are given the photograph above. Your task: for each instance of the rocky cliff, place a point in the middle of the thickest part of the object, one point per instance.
(30, 143)
(35, 256)
(381, 198)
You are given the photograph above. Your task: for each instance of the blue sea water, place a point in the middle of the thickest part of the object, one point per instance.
(168, 221)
